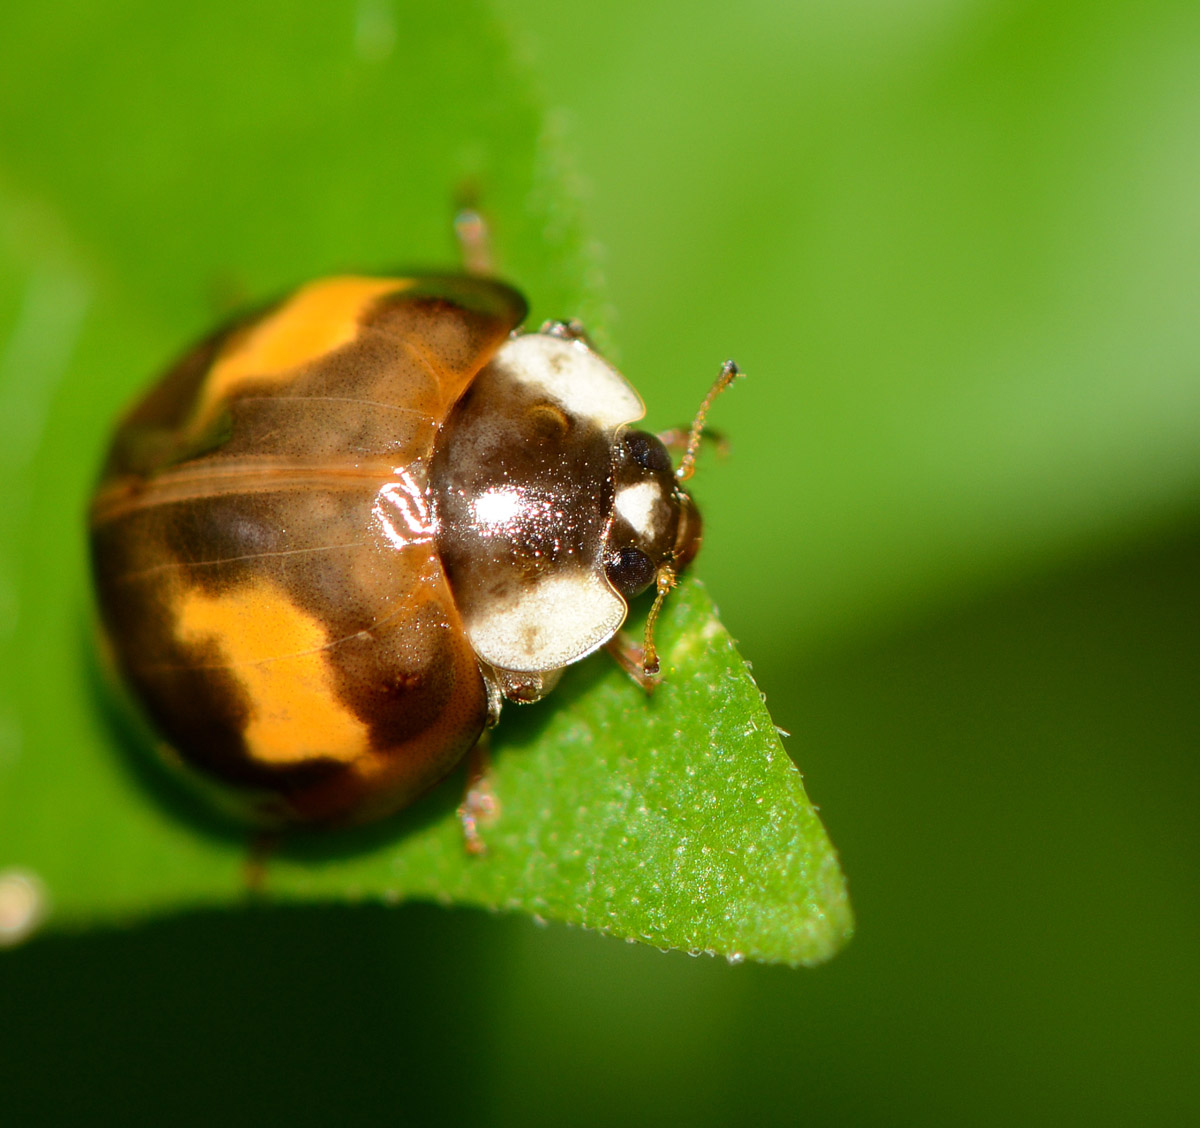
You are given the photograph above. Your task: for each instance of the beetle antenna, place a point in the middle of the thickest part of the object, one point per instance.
(687, 464)
(666, 577)
(664, 582)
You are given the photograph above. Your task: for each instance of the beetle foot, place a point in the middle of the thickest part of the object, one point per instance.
(570, 330)
(631, 657)
(479, 808)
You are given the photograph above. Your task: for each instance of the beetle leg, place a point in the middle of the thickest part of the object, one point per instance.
(474, 242)
(479, 807)
(676, 440)
(630, 656)
(495, 694)
(254, 870)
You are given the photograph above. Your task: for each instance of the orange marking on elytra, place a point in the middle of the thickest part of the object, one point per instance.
(319, 318)
(280, 655)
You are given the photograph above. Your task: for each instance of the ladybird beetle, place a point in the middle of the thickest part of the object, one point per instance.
(338, 534)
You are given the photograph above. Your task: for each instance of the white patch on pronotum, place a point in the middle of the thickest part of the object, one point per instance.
(569, 373)
(637, 504)
(556, 621)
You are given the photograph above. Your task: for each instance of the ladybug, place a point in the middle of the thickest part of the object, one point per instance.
(338, 534)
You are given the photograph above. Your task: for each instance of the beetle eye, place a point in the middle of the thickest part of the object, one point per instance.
(648, 452)
(630, 571)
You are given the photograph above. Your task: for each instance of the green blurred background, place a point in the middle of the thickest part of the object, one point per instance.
(957, 247)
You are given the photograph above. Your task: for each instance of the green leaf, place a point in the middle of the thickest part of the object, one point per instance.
(676, 819)
(157, 164)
